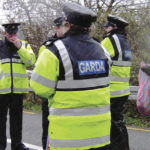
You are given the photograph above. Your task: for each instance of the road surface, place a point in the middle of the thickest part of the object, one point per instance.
(32, 131)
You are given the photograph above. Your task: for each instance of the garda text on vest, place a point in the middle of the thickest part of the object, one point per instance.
(91, 67)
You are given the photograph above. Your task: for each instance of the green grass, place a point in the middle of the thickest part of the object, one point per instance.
(139, 122)
(134, 118)
(32, 102)
(32, 106)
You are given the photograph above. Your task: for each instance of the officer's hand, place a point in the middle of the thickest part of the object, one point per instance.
(15, 40)
(146, 69)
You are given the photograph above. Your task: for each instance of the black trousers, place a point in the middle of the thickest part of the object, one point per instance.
(45, 122)
(14, 103)
(119, 134)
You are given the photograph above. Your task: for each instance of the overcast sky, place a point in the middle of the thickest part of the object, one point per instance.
(2, 14)
(1, 10)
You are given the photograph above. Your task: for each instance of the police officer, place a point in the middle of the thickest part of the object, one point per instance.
(15, 56)
(117, 45)
(75, 74)
(45, 111)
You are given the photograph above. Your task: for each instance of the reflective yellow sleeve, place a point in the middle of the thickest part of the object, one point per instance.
(106, 43)
(0, 66)
(26, 54)
(44, 77)
(41, 49)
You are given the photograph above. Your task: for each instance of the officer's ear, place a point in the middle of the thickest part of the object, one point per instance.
(67, 24)
(115, 26)
(5, 34)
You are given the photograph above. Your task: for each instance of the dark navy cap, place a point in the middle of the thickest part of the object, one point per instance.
(79, 15)
(112, 20)
(11, 28)
(109, 24)
(58, 21)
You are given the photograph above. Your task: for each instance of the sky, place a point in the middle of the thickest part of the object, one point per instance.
(82, 2)
(2, 16)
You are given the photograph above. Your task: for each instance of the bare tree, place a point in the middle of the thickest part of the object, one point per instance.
(37, 15)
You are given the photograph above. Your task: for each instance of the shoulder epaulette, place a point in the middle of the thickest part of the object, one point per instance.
(47, 43)
(50, 40)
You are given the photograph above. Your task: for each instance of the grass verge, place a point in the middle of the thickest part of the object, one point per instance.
(134, 118)
(32, 102)
(33, 106)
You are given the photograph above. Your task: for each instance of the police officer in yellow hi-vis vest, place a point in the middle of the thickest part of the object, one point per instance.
(15, 56)
(74, 71)
(117, 45)
(45, 109)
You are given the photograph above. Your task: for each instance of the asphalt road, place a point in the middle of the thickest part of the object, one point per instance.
(32, 131)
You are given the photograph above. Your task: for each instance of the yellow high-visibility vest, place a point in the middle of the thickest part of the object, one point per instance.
(79, 109)
(118, 47)
(13, 74)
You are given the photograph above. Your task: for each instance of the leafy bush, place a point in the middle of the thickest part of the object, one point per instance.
(133, 117)
(32, 102)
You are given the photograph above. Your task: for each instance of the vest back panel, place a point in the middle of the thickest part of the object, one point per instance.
(87, 57)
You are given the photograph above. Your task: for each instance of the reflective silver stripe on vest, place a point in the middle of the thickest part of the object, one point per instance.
(16, 75)
(120, 92)
(29, 62)
(41, 80)
(122, 63)
(1, 74)
(5, 90)
(79, 111)
(5, 60)
(118, 46)
(79, 143)
(8, 60)
(119, 79)
(20, 90)
(83, 83)
(16, 60)
(65, 59)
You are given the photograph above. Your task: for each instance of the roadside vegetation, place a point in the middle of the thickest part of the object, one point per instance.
(134, 118)
(32, 102)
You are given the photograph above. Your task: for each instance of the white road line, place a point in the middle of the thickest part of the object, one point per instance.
(28, 145)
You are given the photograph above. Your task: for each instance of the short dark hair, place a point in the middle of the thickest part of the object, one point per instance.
(75, 29)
